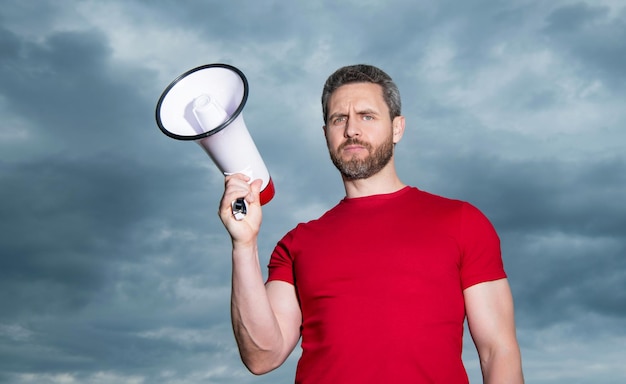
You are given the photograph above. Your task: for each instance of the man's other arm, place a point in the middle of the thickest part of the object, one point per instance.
(490, 316)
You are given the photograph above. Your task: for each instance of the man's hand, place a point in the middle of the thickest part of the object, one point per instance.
(242, 232)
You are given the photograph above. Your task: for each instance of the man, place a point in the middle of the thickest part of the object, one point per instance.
(379, 286)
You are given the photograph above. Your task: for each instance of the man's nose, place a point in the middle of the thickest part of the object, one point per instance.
(352, 127)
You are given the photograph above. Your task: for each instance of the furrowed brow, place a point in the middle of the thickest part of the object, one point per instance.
(336, 115)
(367, 111)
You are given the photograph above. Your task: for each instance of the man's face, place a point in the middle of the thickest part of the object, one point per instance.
(359, 130)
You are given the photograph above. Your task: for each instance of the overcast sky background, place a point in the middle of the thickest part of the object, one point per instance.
(114, 267)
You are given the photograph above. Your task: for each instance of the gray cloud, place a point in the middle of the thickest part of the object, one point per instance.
(593, 39)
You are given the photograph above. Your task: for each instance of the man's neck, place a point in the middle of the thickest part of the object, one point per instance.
(385, 181)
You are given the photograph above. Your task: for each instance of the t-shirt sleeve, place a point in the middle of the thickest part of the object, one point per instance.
(481, 255)
(281, 262)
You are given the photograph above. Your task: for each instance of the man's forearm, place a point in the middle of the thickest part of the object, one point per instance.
(256, 329)
(503, 367)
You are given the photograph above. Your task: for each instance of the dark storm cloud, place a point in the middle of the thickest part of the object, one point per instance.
(65, 87)
(593, 38)
(42, 195)
(9, 44)
(79, 194)
(548, 195)
(563, 235)
(561, 280)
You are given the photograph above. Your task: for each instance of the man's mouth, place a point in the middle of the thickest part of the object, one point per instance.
(353, 146)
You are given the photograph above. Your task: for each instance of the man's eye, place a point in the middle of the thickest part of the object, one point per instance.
(339, 120)
(368, 117)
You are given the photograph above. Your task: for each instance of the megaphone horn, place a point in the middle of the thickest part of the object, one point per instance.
(204, 105)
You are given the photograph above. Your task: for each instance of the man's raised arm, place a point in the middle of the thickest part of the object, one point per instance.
(266, 319)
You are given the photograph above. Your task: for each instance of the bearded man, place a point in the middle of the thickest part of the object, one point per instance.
(378, 287)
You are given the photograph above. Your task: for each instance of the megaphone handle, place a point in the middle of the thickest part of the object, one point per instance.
(239, 208)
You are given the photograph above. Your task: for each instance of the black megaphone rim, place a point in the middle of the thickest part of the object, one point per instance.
(219, 127)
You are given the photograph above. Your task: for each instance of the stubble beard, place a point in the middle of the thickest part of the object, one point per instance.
(357, 168)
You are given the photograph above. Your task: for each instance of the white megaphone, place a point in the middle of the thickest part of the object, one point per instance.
(204, 105)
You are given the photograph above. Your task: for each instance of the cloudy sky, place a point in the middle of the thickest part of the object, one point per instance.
(114, 267)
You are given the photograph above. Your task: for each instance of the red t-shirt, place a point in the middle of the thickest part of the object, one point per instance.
(380, 281)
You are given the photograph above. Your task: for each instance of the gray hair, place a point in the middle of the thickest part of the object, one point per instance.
(363, 73)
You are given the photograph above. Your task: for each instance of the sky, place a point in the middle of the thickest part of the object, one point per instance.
(114, 266)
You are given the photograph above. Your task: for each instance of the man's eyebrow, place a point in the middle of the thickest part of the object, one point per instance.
(337, 114)
(367, 111)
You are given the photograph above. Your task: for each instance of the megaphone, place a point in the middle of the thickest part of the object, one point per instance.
(204, 105)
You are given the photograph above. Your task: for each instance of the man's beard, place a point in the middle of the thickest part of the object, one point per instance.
(356, 168)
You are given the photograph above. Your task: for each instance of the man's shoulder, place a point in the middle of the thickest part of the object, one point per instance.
(427, 197)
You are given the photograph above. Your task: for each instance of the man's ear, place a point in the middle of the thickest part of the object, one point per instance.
(324, 129)
(398, 128)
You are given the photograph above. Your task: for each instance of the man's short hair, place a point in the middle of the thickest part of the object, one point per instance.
(363, 73)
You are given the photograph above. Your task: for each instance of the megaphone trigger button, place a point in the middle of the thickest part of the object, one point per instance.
(239, 209)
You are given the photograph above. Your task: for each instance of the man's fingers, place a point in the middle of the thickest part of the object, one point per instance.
(238, 186)
(255, 190)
